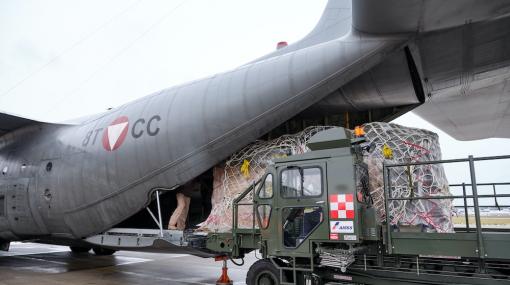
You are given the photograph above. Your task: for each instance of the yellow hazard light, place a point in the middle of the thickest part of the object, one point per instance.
(358, 131)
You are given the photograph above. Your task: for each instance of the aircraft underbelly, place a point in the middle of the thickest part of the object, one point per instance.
(389, 84)
(17, 219)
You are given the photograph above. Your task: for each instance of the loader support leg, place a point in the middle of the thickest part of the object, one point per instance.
(224, 279)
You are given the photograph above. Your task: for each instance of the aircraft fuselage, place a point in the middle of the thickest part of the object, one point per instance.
(73, 181)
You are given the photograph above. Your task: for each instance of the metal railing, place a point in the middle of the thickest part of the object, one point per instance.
(474, 189)
(159, 219)
(465, 206)
(237, 202)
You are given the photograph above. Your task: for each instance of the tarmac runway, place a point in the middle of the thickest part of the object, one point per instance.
(30, 263)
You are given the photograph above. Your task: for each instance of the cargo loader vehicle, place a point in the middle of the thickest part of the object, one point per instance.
(313, 221)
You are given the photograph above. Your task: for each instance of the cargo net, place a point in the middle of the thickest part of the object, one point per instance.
(244, 168)
(247, 166)
(398, 144)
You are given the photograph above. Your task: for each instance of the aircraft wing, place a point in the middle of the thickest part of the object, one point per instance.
(9, 123)
(461, 48)
(481, 113)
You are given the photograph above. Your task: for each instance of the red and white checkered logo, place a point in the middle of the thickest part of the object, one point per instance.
(341, 206)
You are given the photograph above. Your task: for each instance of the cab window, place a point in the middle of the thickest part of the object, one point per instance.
(299, 182)
(299, 223)
(312, 182)
(266, 189)
(264, 213)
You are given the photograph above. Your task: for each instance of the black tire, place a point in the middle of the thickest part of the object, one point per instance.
(103, 251)
(79, 249)
(263, 272)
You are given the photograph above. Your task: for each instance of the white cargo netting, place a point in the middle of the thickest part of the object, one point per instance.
(407, 145)
(244, 168)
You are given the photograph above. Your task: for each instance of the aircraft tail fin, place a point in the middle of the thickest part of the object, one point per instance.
(335, 22)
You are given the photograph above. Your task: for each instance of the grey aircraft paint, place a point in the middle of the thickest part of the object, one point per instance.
(70, 181)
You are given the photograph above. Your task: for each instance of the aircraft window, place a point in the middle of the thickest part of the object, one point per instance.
(299, 223)
(49, 166)
(2, 205)
(264, 213)
(298, 182)
(266, 191)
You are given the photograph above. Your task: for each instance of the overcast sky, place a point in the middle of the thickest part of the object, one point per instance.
(63, 59)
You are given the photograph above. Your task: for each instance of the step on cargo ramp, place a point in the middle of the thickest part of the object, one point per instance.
(148, 240)
(152, 240)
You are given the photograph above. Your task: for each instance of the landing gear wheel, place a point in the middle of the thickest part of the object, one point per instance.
(103, 251)
(263, 272)
(79, 249)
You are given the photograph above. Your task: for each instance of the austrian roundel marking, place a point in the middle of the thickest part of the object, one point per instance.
(115, 134)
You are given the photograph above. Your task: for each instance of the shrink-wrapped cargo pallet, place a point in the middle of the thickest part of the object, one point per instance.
(406, 145)
(409, 145)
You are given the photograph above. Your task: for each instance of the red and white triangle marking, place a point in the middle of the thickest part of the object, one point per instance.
(115, 134)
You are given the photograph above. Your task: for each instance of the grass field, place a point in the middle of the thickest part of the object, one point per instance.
(486, 221)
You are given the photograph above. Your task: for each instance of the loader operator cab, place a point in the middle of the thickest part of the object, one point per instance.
(300, 183)
(304, 196)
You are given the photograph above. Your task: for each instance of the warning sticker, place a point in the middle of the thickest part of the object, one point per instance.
(341, 206)
(342, 277)
(333, 236)
(341, 227)
(350, 237)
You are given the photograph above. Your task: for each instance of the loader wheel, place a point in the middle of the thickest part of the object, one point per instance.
(103, 251)
(79, 249)
(263, 272)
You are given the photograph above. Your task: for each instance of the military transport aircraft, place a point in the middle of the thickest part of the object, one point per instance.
(369, 60)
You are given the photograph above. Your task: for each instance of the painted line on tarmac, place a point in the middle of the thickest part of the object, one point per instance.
(183, 281)
(16, 254)
(147, 277)
(19, 248)
(124, 260)
(42, 260)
